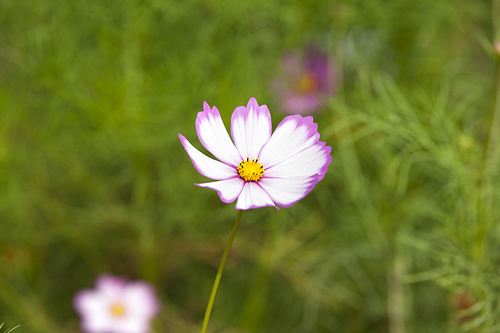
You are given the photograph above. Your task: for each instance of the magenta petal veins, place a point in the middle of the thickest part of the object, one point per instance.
(228, 189)
(286, 192)
(253, 196)
(251, 127)
(213, 136)
(205, 165)
(292, 135)
(308, 162)
(261, 168)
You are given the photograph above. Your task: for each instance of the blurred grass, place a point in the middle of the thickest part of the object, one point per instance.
(10, 329)
(93, 178)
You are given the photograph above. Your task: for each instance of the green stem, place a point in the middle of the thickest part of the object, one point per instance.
(219, 273)
(395, 295)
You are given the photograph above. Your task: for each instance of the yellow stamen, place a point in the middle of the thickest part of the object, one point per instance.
(251, 170)
(307, 83)
(117, 310)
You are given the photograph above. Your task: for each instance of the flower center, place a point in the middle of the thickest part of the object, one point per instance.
(307, 83)
(117, 310)
(251, 170)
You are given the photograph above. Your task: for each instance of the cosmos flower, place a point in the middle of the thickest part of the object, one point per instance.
(307, 82)
(259, 169)
(117, 306)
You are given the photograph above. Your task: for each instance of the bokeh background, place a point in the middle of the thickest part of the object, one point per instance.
(400, 236)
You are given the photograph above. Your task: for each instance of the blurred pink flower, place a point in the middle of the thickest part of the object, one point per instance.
(308, 80)
(117, 306)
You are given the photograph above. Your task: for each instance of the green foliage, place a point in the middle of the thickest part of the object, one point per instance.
(93, 178)
(10, 329)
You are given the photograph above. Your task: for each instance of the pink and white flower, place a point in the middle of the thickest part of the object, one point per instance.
(260, 168)
(117, 306)
(309, 79)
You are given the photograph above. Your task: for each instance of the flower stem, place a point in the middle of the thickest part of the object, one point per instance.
(395, 295)
(219, 273)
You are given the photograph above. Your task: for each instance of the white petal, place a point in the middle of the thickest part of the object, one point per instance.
(291, 136)
(205, 165)
(87, 300)
(132, 324)
(141, 297)
(92, 306)
(253, 196)
(286, 192)
(251, 127)
(228, 189)
(308, 162)
(213, 136)
(97, 323)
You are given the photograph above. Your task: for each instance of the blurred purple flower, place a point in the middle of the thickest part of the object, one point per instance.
(308, 80)
(117, 306)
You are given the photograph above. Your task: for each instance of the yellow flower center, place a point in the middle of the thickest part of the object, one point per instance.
(251, 170)
(307, 83)
(117, 310)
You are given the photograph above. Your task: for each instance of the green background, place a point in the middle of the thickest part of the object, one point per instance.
(93, 177)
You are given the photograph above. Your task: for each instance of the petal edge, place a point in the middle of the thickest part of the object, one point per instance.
(287, 192)
(254, 196)
(251, 128)
(228, 189)
(293, 134)
(205, 165)
(214, 137)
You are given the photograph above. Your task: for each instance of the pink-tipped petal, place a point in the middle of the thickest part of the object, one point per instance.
(313, 160)
(253, 196)
(286, 192)
(251, 127)
(214, 137)
(292, 135)
(205, 165)
(228, 189)
(110, 285)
